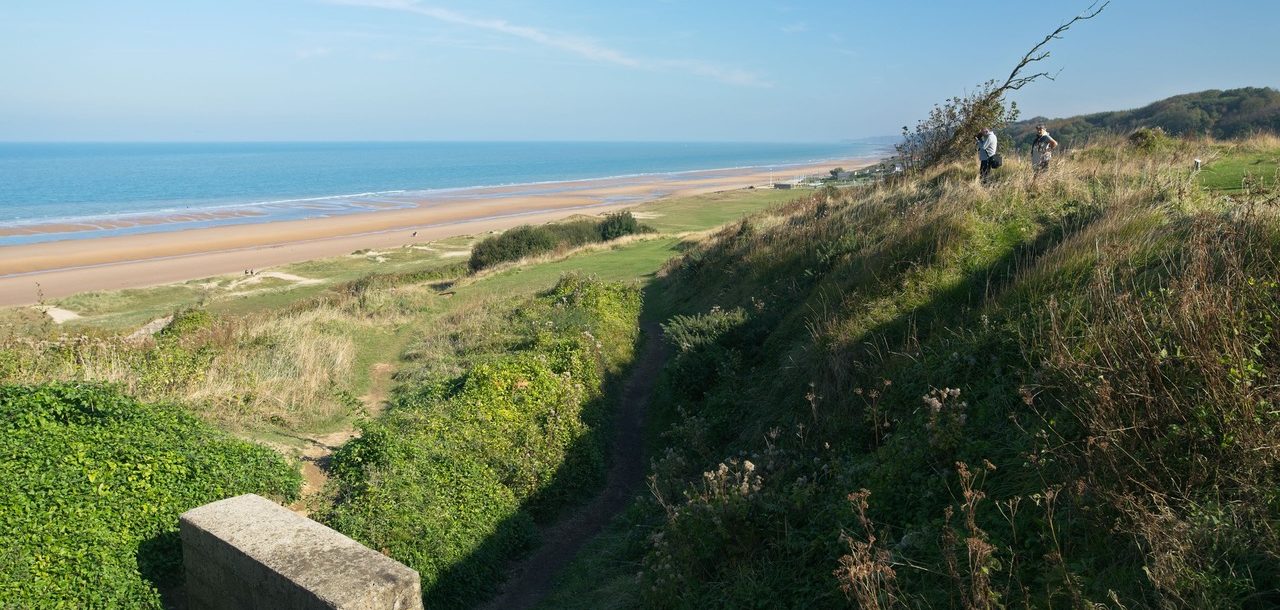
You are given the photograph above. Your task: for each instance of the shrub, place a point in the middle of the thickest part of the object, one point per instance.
(1150, 139)
(186, 322)
(512, 245)
(618, 225)
(947, 134)
(525, 241)
(690, 332)
(94, 483)
(573, 234)
(702, 357)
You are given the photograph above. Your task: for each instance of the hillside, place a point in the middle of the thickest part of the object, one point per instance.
(917, 393)
(1231, 113)
(1053, 393)
(481, 401)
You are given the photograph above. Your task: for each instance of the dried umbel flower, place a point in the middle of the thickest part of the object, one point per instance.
(866, 573)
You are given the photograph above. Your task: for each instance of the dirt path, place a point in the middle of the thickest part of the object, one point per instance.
(150, 328)
(58, 314)
(530, 580)
(315, 456)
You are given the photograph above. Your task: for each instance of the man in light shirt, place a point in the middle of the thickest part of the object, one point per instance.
(986, 153)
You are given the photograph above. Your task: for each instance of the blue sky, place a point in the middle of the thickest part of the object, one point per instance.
(693, 70)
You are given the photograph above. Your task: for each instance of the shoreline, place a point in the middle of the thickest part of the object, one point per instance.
(30, 273)
(256, 212)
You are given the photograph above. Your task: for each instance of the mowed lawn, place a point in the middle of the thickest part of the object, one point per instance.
(702, 212)
(633, 261)
(1233, 172)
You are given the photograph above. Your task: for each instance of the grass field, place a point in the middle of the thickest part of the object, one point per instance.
(1249, 166)
(638, 259)
(685, 214)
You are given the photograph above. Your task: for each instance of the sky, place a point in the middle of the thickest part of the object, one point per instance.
(644, 70)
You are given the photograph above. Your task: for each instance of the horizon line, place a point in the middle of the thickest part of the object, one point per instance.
(450, 141)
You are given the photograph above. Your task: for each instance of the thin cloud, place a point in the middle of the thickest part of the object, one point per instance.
(795, 28)
(570, 44)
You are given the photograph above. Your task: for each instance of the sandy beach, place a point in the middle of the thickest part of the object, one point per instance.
(56, 269)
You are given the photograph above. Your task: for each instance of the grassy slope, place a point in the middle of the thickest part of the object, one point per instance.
(495, 427)
(123, 309)
(1110, 334)
(682, 214)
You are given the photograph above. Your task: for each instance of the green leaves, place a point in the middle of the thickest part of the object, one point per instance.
(94, 482)
(528, 240)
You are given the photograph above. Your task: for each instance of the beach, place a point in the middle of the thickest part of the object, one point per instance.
(33, 272)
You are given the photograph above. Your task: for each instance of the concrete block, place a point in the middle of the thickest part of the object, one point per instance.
(249, 552)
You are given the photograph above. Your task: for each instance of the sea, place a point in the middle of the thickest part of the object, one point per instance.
(101, 189)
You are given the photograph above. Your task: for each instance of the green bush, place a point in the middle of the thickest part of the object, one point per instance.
(690, 332)
(619, 225)
(527, 240)
(574, 234)
(1150, 139)
(452, 477)
(702, 356)
(186, 322)
(93, 485)
(513, 245)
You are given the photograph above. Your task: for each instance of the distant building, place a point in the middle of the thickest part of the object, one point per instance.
(782, 186)
(844, 175)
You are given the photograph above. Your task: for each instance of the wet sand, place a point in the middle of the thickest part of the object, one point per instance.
(61, 268)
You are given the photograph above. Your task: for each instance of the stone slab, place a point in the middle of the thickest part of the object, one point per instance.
(249, 552)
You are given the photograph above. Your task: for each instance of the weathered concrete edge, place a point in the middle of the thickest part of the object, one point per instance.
(255, 541)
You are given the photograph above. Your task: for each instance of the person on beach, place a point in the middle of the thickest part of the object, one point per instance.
(988, 159)
(1042, 149)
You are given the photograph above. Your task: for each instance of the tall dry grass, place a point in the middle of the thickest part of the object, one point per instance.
(1114, 327)
(290, 367)
(1168, 365)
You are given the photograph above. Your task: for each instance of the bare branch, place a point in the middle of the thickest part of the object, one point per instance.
(1037, 53)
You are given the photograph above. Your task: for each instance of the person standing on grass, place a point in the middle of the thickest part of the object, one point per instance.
(1042, 149)
(988, 159)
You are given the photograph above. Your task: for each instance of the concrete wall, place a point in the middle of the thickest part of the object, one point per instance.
(249, 552)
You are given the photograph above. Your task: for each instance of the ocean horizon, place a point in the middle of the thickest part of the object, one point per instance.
(102, 189)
